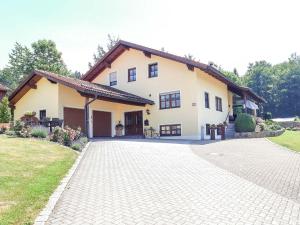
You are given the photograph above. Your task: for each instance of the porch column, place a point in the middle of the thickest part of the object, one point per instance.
(245, 100)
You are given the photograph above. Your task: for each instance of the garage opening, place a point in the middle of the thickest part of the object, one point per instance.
(102, 124)
(74, 118)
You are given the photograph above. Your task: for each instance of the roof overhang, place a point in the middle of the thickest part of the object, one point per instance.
(123, 46)
(85, 88)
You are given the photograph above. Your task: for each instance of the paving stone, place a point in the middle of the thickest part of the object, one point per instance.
(145, 182)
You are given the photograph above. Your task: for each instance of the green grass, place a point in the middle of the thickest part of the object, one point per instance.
(289, 139)
(30, 170)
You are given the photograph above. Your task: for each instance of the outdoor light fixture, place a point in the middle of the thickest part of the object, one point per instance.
(148, 111)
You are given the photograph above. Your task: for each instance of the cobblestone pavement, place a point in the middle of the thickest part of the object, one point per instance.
(259, 161)
(144, 183)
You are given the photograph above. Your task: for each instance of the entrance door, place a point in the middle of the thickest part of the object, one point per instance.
(134, 123)
(101, 124)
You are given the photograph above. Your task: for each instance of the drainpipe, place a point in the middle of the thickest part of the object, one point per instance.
(87, 116)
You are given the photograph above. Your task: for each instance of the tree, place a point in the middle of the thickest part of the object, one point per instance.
(46, 57)
(77, 74)
(23, 60)
(101, 51)
(5, 114)
(233, 76)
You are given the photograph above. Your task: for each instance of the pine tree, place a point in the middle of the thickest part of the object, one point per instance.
(5, 115)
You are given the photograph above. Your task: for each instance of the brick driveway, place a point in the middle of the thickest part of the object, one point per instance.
(138, 182)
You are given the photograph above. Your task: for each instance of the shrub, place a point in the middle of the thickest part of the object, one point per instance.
(65, 136)
(39, 132)
(57, 135)
(268, 116)
(10, 133)
(5, 114)
(297, 119)
(76, 146)
(272, 125)
(245, 123)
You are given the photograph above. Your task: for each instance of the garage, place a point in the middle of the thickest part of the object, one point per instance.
(74, 118)
(101, 124)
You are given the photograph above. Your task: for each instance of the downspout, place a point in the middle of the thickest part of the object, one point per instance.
(87, 116)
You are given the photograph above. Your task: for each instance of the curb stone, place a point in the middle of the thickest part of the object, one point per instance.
(43, 216)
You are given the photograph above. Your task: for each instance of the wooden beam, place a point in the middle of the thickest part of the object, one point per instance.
(147, 54)
(52, 81)
(190, 67)
(107, 65)
(32, 84)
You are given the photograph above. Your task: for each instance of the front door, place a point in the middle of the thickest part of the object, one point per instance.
(134, 123)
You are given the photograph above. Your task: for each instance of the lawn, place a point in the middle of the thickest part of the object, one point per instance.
(30, 170)
(289, 139)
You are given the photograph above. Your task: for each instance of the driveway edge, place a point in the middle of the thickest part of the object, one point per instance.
(43, 216)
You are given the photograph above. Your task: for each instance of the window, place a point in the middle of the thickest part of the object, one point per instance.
(170, 130)
(218, 130)
(207, 129)
(131, 74)
(113, 78)
(169, 100)
(206, 100)
(152, 70)
(218, 104)
(43, 114)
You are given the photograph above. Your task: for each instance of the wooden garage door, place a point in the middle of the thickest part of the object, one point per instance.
(101, 124)
(74, 118)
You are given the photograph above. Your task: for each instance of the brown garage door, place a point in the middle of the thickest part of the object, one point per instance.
(74, 118)
(101, 124)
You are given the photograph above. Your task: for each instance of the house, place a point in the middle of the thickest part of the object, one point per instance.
(3, 91)
(138, 87)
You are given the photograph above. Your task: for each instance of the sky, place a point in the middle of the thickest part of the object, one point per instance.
(230, 33)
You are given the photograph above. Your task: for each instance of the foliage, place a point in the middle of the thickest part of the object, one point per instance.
(33, 169)
(5, 114)
(42, 55)
(272, 125)
(76, 146)
(297, 119)
(233, 76)
(278, 84)
(268, 116)
(30, 113)
(101, 51)
(65, 136)
(245, 123)
(39, 132)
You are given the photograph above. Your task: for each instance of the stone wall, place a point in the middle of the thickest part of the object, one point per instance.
(261, 134)
(291, 124)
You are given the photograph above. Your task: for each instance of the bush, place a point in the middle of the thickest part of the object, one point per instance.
(76, 146)
(297, 119)
(245, 123)
(268, 116)
(65, 136)
(272, 125)
(39, 132)
(10, 133)
(5, 114)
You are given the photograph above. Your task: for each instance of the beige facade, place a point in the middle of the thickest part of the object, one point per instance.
(172, 76)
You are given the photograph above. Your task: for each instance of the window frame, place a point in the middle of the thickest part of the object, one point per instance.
(171, 126)
(219, 104)
(42, 111)
(207, 129)
(130, 76)
(113, 83)
(150, 71)
(206, 100)
(170, 101)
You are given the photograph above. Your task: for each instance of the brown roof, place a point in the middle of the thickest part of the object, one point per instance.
(85, 88)
(3, 88)
(122, 46)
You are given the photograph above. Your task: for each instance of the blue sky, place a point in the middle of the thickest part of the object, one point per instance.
(230, 33)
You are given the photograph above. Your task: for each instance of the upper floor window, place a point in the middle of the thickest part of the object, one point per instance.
(131, 74)
(169, 100)
(218, 104)
(206, 95)
(113, 78)
(152, 70)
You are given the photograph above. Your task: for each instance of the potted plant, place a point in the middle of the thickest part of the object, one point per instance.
(119, 129)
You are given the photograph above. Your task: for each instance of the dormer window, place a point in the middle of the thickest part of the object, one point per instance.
(113, 78)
